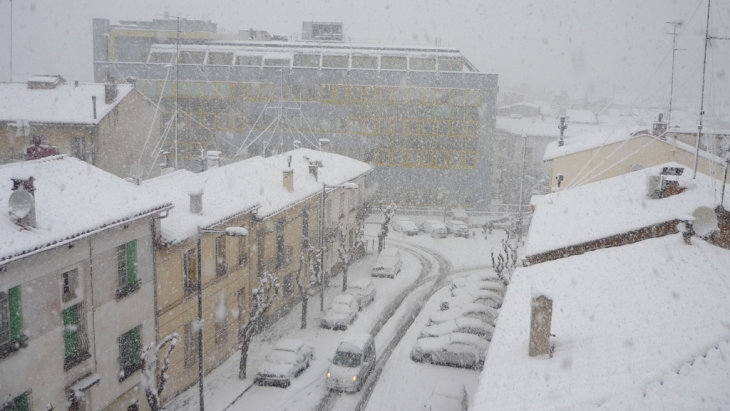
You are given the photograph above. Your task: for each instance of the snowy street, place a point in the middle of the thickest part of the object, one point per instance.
(400, 310)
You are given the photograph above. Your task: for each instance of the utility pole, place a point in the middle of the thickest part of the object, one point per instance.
(177, 84)
(522, 181)
(674, 34)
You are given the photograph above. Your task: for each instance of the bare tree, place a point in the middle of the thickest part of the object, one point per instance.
(263, 298)
(344, 255)
(153, 381)
(303, 290)
(506, 261)
(388, 213)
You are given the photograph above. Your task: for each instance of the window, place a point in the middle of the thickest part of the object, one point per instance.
(69, 285)
(424, 64)
(221, 317)
(20, 403)
(280, 249)
(451, 65)
(393, 63)
(220, 58)
(163, 58)
(364, 62)
(76, 343)
(127, 268)
(288, 284)
(190, 275)
(221, 267)
(306, 60)
(11, 321)
(248, 60)
(191, 57)
(335, 61)
(130, 352)
(191, 344)
(305, 229)
(242, 251)
(277, 62)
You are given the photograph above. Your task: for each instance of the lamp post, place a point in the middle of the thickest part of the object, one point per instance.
(325, 186)
(231, 232)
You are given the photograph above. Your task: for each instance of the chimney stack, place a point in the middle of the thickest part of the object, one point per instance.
(93, 103)
(110, 91)
(22, 202)
(213, 159)
(324, 145)
(314, 168)
(542, 313)
(297, 144)
(196, 201)
(289, 179)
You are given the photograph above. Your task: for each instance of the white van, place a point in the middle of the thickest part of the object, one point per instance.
(353, 362)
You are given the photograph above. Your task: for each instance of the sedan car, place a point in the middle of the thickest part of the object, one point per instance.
(449, 395)
(404, 225)
(436, 228)
(388, 263)
(492, 284)
(363, 290)
(482, 312)
(460, 325)
(285, 362)
(458, 228)
(341, 312)
(456, 349)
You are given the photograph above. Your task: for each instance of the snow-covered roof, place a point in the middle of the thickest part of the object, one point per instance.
(72, 199)
(65, 104)
(246, 186)
(613, 135)
(613, 206)
(547, 127)
(626, 320)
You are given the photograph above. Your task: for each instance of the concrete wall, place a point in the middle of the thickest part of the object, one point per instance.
(40, 366)
(616, 159)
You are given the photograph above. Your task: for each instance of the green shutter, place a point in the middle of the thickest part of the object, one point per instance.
(70, 337)
(16, 314)
(21, 402)
(135, 344)
(132, 262)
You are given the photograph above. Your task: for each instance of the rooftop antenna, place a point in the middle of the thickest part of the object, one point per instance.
(675, 25)
(136, 171)
(177, 84)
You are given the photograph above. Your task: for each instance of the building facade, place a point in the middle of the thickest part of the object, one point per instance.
(423, 115)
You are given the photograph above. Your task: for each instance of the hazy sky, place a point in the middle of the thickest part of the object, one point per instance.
(578, 45)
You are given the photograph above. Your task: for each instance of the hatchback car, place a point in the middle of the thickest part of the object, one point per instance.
(388, 264)
(285, 362)
(435, 228)
(341, 312)
(458, 228)
(449, 396)
(363, 290)
(455, 349)
(404, 225)
(353, 362)
(479, 311)
(460, 325)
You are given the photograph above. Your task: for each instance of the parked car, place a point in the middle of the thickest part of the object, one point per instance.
(460, 325)
(490, 284)
(404, 225)
(436, 228)
(364, 291)
(285, 362)
(466, 299)
(388, 263)
(486, 297)
(353, 362)
(455, 349)
(341, 312)
(482, 312)
(458, 228)
(449, 395)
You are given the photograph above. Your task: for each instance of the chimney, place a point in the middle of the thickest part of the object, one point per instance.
(76, 83)
(110, 91)
(542, 313)
(314, 168)
(22, 202)
(196, 201)
(289, 179)
(686, 227)
(213, 159)
(297, 144)
(324, 145)
(93, 102)
(562, 126)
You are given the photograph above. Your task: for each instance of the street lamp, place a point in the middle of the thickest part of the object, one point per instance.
(325, 186)
(230, 232)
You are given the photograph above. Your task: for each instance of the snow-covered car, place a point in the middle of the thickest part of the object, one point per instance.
(456, 349)
(449, 395)
(435, 228)
(464, 300)
(353, 362)
(486, 297)
(491, 284)
(364, 291)
(458, 228)
(404, 225)
(285, 362)
(480, 311)
(388, 264)
(460, 325)
(341, 312)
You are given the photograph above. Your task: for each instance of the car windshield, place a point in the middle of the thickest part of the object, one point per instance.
(346, 359)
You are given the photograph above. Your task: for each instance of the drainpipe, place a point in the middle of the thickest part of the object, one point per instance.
(153, 231)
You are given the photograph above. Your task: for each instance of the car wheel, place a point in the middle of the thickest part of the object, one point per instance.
(427, 358)
(287, 383)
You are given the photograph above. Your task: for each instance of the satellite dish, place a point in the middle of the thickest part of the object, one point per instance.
(706, 221)
(136, 171)
(21, 203)
(636, 167)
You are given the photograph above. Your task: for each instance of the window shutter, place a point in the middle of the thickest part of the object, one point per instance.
(132, 262)
(70, 336)
(16, 314)
(135, 344)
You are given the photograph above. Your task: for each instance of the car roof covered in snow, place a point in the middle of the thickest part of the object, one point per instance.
(354, 342)
(360, 283)
(289, 344)
(343, 298)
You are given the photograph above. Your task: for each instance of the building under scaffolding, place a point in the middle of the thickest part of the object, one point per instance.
(423, 114)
